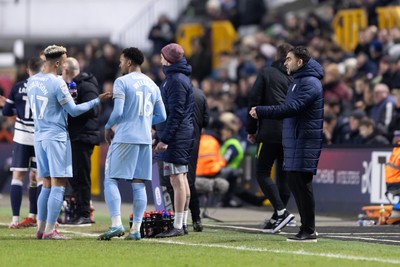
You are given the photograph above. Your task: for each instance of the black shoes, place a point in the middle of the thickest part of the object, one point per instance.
(185, 229)
(273, 226)
(80, 221)
(268, 225)
(303, 237)
(171, 233)
(197, 226)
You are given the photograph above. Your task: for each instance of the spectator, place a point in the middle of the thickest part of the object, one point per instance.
(162, 33)
(383, 106)
(233, 154)
(105, 67)
(250, 16)
(353, 136)
(370, 134)
(394, 126)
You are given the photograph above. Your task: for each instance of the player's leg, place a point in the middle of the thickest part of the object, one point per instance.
(181, 192)
(187, 202)
(19, 168)
(35, 186)
(60, 166)
(44, 172)
(115, 165)
(144, 156)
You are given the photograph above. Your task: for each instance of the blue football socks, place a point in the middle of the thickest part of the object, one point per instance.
(54, 203)
(139, 201)
(112, 197)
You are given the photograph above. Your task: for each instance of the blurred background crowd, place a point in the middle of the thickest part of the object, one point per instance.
(361, 83)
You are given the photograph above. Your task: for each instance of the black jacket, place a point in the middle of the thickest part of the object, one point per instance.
(177, 130)
(269, 89)
(85, 128)
(201, 117)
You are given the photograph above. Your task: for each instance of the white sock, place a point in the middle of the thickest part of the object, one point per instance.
(41, 226)
(280, 212)
(178, 220)
(49, 228)
(32, 216)
(185, 216)
(15, 220)
(135, 227)
(116, 221)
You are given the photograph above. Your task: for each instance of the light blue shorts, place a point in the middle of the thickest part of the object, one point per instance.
(53, 158)
(129, 161)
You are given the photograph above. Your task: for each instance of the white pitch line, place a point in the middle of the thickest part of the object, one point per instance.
(243, 248)
(293, 252)
(364, 238)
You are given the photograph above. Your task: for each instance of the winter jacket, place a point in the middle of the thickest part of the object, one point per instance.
(269, 89)
(302, 112)
(85, 128)
(177, 130)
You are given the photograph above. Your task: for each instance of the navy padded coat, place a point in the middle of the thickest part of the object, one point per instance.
(302, 112)
(177, 130)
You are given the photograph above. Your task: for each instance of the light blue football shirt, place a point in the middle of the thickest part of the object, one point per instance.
(50, 102)
(141, 99)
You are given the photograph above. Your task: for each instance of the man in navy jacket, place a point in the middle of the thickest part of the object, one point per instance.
(302, 114)
(175, 135)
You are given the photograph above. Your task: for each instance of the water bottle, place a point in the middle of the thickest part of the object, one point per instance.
(73, 90)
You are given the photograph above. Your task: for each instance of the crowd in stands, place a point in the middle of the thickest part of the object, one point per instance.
(361, 88)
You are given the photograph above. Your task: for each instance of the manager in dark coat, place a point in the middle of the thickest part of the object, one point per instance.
(302, 134)
(175, 135)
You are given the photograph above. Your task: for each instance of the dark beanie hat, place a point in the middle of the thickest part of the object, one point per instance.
(172, 52)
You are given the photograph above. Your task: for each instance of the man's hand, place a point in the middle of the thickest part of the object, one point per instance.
(161, 147)
(253, 113)
(105, 96)
(2, 100)
(252, 138)
(109, 135)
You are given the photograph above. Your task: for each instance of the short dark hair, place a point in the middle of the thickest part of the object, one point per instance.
(367, 122)
(134, 54)
(35, 64)
(301, 52)
(282, 51)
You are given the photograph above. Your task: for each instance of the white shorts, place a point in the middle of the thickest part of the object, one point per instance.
(53, 158)
(129, 161)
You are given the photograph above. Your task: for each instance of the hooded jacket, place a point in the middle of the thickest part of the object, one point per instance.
(177, 130)
(302, 112)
